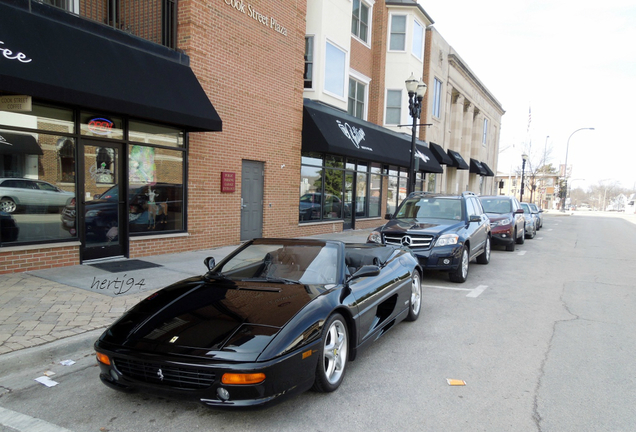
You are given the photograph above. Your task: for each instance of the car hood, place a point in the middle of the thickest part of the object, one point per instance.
(494, 217)
(418, 226)
(202, 317)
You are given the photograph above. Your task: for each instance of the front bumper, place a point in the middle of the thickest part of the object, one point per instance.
(444, 258)
(285, 376)
(502, 235)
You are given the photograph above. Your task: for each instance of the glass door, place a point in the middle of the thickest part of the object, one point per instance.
(349, 201)
(102, 202)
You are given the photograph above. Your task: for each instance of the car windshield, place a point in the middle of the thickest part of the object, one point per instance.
(496, 205)
(306, 263)
(437, 208)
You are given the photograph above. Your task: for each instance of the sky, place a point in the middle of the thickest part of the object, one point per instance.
(555, 66)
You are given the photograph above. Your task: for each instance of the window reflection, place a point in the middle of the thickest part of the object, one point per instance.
(36, 185)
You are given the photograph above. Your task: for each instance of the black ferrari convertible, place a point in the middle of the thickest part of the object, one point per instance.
(275, 318)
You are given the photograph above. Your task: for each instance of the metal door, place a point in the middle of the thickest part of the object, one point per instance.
(252, 182)
(101, 201)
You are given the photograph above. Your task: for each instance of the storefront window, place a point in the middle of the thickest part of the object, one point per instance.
(42, 117)
(101, 126)
(155, 195)
(149, 133)
(392, 192)
(36, 187)
(333, 196)
(312, 159)
(310, 193)
(361, 194)
(375, 190)
(432, 180)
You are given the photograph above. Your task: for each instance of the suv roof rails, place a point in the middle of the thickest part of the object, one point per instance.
(469, 193)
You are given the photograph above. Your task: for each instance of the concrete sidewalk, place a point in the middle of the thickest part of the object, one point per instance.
(72, 305)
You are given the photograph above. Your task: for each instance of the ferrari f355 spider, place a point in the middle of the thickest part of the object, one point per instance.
(273, 319)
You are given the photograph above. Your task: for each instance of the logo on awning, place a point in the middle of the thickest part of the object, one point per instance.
(353, 133)
(422, 156)
(8, 54)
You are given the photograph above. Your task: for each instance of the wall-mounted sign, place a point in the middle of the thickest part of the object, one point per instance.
(16, 103)
(100, 125)
(228, 182)
(251, 12)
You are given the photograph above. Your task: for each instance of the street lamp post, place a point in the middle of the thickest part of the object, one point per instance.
(523, 174)
(416, 90)
(565, 171)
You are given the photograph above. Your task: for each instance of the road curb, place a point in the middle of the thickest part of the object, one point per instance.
(52, 352)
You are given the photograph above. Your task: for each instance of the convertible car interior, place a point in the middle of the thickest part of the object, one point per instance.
(357, 256)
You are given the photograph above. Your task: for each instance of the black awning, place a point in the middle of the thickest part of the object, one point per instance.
(328, 130)
(458, 160)
(489, 172)
(65, 64)
(476, 168)
(427, 161)
(439, 153)
(17, 143)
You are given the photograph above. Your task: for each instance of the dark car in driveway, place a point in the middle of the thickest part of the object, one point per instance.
(273, 319)
(445, 232)
(507, 223)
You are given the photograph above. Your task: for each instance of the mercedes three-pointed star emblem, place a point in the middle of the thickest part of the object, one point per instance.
(406, 241)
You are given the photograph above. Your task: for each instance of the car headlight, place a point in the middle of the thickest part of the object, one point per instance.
(447, 240)
(506, 221)
(375, 237)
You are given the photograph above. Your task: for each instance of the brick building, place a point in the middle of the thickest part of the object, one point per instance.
(187, 125)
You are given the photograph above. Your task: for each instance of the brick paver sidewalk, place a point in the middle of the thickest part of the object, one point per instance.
(35, 311)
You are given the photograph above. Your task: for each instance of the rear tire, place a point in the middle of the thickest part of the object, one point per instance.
(460, 274)
(7, 205)
(333, 356)
(484, 258)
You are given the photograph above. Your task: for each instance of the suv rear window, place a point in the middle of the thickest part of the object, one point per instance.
(439, 208)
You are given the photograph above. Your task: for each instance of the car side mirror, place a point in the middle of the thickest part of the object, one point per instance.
(520, 211)
(366, 271)
(388, 216)
(474, 218)
(209, 263)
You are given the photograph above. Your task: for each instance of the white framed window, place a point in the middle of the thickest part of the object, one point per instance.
(397, 38)
(393, 107)
(335, 63)
(418, 40)
(357, 98)
(484, 136)
(437, 98)
(309, 62)
(360, 21)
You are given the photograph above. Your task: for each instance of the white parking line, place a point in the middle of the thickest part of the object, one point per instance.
(521, 253)
(474, 292)
(477, 291)
(25, 423)
(538, 238)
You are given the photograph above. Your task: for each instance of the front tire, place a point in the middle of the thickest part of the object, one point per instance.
(522, 238)
(510, 247)
(460, 274)
(484, 258)
(334, 353)
(415, 303)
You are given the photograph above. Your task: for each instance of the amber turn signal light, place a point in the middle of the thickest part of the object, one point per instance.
(103, 358)
(241, 379)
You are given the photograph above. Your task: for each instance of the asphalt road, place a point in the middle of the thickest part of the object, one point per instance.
(543, 338)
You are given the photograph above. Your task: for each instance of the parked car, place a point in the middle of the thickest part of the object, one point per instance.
(538, 212)
(445, 232)
(31, 195)
(9, 230)
(507, 224)
(312, 204)
(101, 213)
(273, 319)
(531, 221)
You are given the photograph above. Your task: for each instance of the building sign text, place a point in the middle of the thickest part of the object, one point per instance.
(249, 10)
(228, 182)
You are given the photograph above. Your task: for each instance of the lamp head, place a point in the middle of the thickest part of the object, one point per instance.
(421, 89)
(411, 84)
(524, 157)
